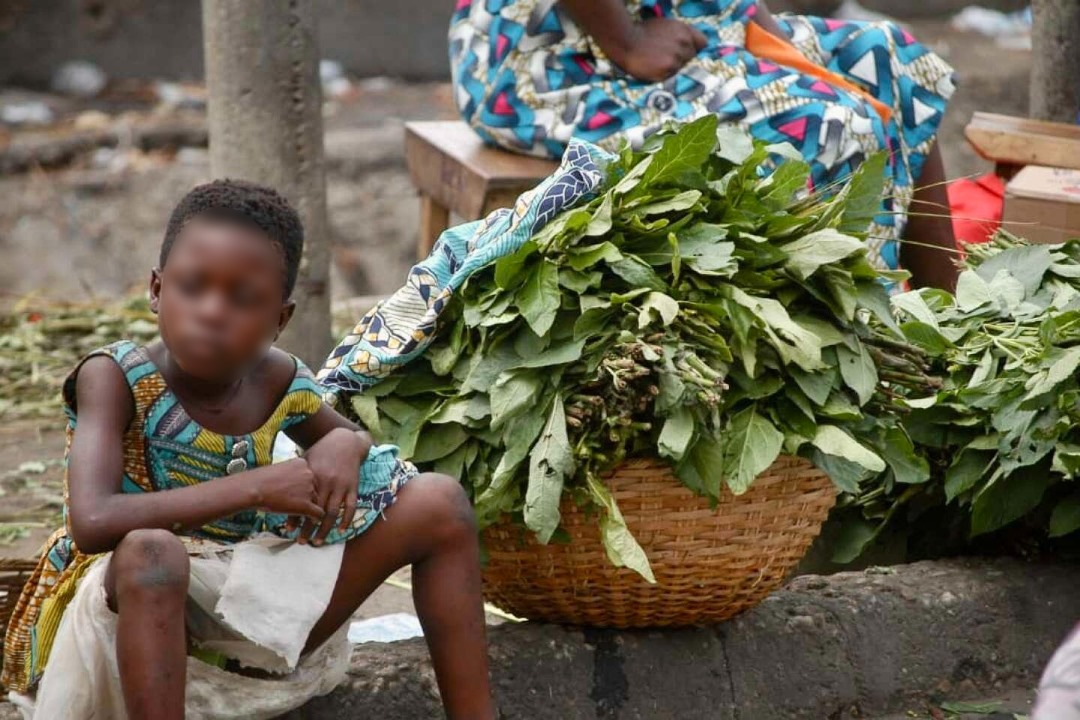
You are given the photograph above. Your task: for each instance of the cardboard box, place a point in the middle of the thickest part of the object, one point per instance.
(1042, 204)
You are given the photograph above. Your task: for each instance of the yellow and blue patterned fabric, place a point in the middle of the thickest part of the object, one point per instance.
(165, 449)
(401, 327)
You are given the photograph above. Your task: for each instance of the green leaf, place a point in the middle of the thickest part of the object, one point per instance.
(453, 464)
(863, 195)
(489, 367)
(633, 179)
(703, 470)
(559, 355)
(855, 534)
(972, 292)
(846, 475)
(600, 224)
(926, 337)
(637, 274)
(438, 441)
(550, 463)
(512, 394)
(677, 433)
(1066, 517)
(816, 386)
(824, 247)
(1027, 264)
(688, 149)
(834, 441)
(735, 143)
(621, 547)
(585, 258)
(462, 410)
(858, 371)
(875, 298)
(1064, 367)
(1010, 498)
(683, 201)
(784, 184)
(794, 343)
(593, 322)
(1008, 291)
(580, 282)
(509, 269)
(899, 453)
(663, 306)
(977, 708)
(367, 410)
(914, 305)
(751, 446)
(539, 298)
(703, 249)
(984, 370)
(1067, 460)
(967, 469)
(521, 433)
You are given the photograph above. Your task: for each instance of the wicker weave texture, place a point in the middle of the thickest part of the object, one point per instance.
(710, 563)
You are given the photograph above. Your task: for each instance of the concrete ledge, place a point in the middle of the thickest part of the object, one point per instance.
(824, 647)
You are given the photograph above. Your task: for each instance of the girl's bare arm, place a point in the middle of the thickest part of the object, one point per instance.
(101, 515)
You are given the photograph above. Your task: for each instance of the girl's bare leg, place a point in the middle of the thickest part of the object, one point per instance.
(928, 249)
(431, 527)
(146, 585)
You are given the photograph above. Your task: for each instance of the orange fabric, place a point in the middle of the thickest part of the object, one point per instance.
(763, 44)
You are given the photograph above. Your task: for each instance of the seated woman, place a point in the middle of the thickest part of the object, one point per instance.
(531, 74)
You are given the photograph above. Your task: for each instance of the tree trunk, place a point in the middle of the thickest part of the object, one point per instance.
(265, 112)
(1055, 73)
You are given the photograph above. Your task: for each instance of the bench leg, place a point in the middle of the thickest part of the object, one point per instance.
(434, 218)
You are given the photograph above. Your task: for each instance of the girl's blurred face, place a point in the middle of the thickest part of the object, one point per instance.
(220, 297)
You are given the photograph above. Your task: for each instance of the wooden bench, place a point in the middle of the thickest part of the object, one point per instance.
(454, 172)
(1011, 143)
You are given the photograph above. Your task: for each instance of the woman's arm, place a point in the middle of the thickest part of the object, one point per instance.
(652, 50)
(101, 515)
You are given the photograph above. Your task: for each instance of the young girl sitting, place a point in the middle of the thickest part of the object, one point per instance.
(195, 578)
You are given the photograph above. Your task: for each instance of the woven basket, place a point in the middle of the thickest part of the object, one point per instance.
(710, 563)
(13, 576)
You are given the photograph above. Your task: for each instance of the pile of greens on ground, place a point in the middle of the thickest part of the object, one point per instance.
(1004, 431)
(40, 343)
(693, 311)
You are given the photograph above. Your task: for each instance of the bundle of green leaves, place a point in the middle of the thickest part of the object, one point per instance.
(1006, 424)
(694, 311)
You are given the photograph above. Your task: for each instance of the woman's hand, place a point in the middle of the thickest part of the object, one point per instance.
(657, 48)
(335, 462)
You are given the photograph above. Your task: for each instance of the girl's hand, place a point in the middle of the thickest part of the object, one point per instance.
(288, 488)
(335, 461)
(657, 48)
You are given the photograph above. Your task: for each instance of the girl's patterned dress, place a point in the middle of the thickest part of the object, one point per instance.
(163, 449)
(527, 79)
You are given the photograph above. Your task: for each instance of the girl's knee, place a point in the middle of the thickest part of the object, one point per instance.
(450, 512)
(153, 561)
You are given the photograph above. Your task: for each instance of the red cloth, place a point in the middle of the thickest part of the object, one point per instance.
(976, 207)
